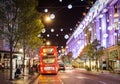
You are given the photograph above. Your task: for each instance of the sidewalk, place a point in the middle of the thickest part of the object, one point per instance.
(26, 79)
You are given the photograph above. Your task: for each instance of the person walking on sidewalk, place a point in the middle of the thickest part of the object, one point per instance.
(104, 66)
(17, 73)
(110, 68)
(31, 70)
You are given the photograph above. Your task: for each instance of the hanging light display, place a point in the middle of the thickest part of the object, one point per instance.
(60, 0)
(69, 6)
(52, 16)
(43, 30)
(70, 29)
(66, 36)
(48, 35)
(61, 30)
(57, 35)
(52, 30)
(39, 35)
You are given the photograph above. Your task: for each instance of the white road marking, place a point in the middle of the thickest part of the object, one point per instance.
(82, 77)
(61, 81)
(102, 82)
(91, 79)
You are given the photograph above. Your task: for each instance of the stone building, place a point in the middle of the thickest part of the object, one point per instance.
(102, 22)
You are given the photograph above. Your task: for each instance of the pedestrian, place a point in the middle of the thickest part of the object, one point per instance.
(17, 73)
(3, 67)
(31, 70)
(110, 67)
(38, 67)
(104, 66)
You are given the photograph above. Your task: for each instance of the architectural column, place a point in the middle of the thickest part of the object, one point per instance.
(97, 29)
(104, 31)
(118, 5)
(111, 41)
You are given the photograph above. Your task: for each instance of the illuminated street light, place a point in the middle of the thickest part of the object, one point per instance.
(47, 19)
(48, 43)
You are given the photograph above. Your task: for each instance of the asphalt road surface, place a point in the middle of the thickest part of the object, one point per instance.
(78, 77)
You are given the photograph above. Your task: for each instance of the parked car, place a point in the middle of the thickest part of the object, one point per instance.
(61, 66)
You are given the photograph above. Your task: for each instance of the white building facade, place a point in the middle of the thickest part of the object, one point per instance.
(102, 23)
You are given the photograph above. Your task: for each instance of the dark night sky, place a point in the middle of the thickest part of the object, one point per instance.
(64, 18)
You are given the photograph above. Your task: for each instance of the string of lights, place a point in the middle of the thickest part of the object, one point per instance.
(68, 10)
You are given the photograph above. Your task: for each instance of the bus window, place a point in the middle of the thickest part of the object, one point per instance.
(49, 60)
(48, 51)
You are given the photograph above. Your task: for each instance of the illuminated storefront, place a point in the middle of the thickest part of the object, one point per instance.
(102, 23)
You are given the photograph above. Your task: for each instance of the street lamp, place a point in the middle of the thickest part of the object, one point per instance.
(48, 43)
(47, 19)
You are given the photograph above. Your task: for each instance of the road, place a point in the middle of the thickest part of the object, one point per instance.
(77, 77)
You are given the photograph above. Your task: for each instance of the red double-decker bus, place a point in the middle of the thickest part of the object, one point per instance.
(48, 60)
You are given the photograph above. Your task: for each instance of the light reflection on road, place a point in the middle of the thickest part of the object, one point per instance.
(49, 79)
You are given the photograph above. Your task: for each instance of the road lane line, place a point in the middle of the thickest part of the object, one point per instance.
(91, 79)
(61, 81)
(102, 82)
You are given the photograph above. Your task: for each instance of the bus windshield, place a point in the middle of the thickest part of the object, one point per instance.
(48, 51)
(48, 59)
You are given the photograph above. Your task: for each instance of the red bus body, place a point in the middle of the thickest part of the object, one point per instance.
(48, 60)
